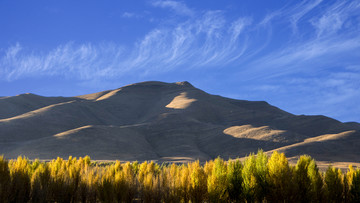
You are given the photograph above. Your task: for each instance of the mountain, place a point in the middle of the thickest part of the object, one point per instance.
(165, 122)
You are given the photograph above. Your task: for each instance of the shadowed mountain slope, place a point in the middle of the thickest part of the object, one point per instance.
(13, 106)
(165, 122)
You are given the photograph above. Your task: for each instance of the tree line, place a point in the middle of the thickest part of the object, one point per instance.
(259, 178)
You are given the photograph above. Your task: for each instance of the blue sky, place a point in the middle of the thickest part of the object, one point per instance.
(301, 56)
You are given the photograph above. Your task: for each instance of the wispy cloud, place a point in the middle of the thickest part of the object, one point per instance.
(336, 17)
(333, 94)
(292, 51)
(326, 45)
(317, 64)
(176, 6)
(70, 60)
(207, 40)
(298, 12)
(130, 15)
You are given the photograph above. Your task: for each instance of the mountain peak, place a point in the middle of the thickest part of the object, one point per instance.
(184, 83)
(153, 84)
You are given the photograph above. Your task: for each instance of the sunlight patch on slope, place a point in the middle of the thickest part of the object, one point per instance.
(180, 102)
(36, 112)
(328, 137)
(72, 131)
(251, 132)
(108, 95)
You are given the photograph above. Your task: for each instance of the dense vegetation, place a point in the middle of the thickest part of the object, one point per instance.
(258, 178)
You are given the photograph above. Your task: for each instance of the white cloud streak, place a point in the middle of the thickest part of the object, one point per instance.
(299, 11)
(205, 40)
(130, 15)
(335, 17)
(329, 44)
(80, 61)
(178, 7)
(289, 53)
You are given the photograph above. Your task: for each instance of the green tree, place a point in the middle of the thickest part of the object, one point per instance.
(334, 185)
(250, 182)
(308, 180)
(217, 182)
(235, 180)
(261, 175)
(254, 176)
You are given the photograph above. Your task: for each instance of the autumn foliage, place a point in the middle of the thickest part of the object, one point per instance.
(257, 179)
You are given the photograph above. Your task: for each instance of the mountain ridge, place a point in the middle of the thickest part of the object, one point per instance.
(166, 122)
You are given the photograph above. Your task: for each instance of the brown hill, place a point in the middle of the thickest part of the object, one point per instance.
(165, 122)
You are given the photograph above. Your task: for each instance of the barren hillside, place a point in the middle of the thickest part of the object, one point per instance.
(165, 122)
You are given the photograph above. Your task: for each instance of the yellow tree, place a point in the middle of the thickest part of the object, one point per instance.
(184, 182)
(353, 180)
(249, 183)
(4, 179)
(149, 182)
(20, 173)
(254, 175)
(217, 182)
(40, 184)
(197, 182)
(90, 179)
(170, 184)
(128, 183)
(279, 178)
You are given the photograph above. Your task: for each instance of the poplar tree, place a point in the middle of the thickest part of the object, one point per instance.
(235, 180)
(334, 185)
(354, 184)
(249, 178)
(20, 173)
(279, 178)
(308, 181)
(4, 179)
(40, 184)
(217, 182)
(198, 182)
